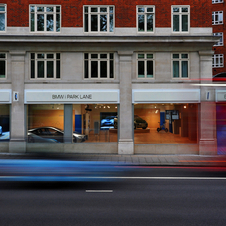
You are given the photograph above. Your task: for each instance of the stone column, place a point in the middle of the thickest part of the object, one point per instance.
(207, 116)
(17, 118)
(125, 144)
(68, 123)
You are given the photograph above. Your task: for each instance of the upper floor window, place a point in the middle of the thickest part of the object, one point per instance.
(221, 42)
(45, 18)
(145, 18)
(180, 65)
(99, 65)
(2, 17)
(98, 19)
(218, 60)
(45, 66)
(180, 18)
(217, 1)
(217, 17)
(2, 65)
(145, 65)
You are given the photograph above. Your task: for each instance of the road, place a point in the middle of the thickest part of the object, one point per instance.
(150, 196)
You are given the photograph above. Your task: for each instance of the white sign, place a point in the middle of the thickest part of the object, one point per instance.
(5, 96)
(220, 95)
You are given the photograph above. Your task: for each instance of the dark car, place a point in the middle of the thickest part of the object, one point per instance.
(56, 134)
(221, 77)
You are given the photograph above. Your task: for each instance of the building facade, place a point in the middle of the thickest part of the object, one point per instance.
(131, 77)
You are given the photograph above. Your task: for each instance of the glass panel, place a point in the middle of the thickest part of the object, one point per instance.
(103, 69)
(41, 56)
(111, 23)
(50, 69)
(184, 69)
(32, 22)
(86, 23)
(111, 69)
(58, 9)
(32, 56)
(94, 9)
(2, 55)
(150, 69)
(103, 22)
(111, 55)
(49, 23)
(140, 69)
(184, 10)
(140, 10)
(40, 22)
(86, 55)
(2, 22)
(2, 69)
(49, 9)
(94, 25)
(58, 22)
(111, 9)
(32, 69)
(176, 56)
(175, 22)
(94, 69)
(175, 10)
(140, 56)
(184, 22)
(86, 69)
(103, 56)
(58, 55)
(50, 56)
(2, 8)
(103, 9)
(4, 122)
(94, 56)
(58, 69)
(86, 9)
(40, 9)
(184, 56)
(140, 22)
(149, 10)
(40, 69)
(150, 56)
(32, 9)
(149, 22)
(176, 69)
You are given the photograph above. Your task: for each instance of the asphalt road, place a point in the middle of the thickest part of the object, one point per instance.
(151, 196)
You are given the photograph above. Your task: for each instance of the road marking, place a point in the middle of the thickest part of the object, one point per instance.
(100, 191)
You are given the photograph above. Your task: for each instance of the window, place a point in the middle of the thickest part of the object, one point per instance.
(145, 18)
(98, 19)
(2, 65)
(2, 17)
(180, 18)
(217, 1)
(45, 66)
(45, 18)
(221, 42)
(99, 65)
(218, 60)
(145, 65)
(217, 17)
(180, 65)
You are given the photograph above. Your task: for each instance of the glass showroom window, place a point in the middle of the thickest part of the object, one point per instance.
(217, 1)
(180, 65)
(99, 65)
(218, 60)
(221, 42)
(180, 18)
(145, 65)
(45, 18)
(99, 19)
(217, 17)
(4, 122)
(145, 18)
(2, 65)
(45, 66)
(2, 17)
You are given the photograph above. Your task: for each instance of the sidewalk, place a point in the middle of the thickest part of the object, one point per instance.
(142, 160)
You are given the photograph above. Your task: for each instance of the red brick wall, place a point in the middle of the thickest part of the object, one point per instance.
(125, 11)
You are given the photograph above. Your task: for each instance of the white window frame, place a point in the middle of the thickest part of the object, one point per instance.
(217, 17)
(89, 13)
(4, 59)
(180, 14)
(99, 59)
(4, 12)
(36, 12)
(221, 35)
(145, 13)
(145, 59)
(45, 59)
(218, 60)
(217, 1)
(180, 59)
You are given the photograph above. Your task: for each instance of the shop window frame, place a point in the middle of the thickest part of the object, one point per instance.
(4, 12)
(88, 67)
(221, 35)
(88, 13)
(145, 13)
(34, 65)
(218, 60)
(34, 12)
(180, 15)
(217, 17)
(217, 1)
(145, 60)
(180, 61)
(4, 60)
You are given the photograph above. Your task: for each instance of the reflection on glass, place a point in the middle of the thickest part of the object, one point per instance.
(103, 69)
(4, 122)
(40, 69)
(103, 22)
(50, 69)
(2, 22)
(176, 69)
(94, 69)
(175, 22)
(149, 69)
(184, 69)
(94, 23)
(141, 73)
(49, 23)
(40, 22)
(149, 22)
(140, 22)
(184, 22)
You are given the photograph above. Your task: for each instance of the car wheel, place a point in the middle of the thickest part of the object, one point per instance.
(135, 126)
(115, 125)
(166, 130)
(158, 129)
(144, 128)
